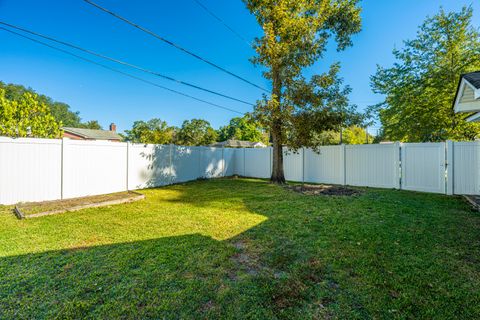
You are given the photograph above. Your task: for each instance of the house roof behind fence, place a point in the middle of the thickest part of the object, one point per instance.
(473, 78)
(238, 144)
(93, 133)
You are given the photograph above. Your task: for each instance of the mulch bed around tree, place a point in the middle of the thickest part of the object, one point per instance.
(327, 190)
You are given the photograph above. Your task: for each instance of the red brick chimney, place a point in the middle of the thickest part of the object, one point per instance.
(113, 127)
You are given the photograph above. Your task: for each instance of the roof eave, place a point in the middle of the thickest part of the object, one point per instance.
(460, 88)
(457, 95)
(75, 133)
(474, 118)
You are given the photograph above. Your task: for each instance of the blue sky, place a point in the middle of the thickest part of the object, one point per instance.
(108, 97)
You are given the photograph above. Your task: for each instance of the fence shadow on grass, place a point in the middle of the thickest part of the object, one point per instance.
(380, 251)
(170, 278)
(358, 257)
(177, 277)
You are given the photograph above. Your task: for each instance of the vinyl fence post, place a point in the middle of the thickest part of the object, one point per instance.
(270, 160)
(449, 174)
(223, 161)
(128, 161)
(477, 169)
(397, 165)
(402, 165)
(244, 163)
(62, 167)
(303, 165)
(344, 163)
(199, 169)
(170, 166)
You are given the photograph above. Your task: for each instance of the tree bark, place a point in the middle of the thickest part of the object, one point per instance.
(278, 175)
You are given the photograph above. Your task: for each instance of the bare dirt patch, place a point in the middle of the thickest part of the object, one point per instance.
(326, 190)
(39, 209)
(243, 260)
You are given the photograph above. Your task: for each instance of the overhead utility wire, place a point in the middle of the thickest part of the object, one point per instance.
(174, 44)
(238, 35)
(121, 72)
(124, 63)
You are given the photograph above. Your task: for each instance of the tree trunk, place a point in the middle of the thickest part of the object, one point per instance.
(278, 175)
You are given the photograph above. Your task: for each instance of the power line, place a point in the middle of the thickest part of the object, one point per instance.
(125, 63)
(121, 72)
(238, 35)
(174, 44)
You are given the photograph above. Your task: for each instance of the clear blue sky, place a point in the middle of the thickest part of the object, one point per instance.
(109, 97)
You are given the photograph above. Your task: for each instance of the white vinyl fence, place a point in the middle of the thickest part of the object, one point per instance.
(373, 165)
(49, 169)
(423, 167)
(359, 165)
(444, 167)
(466, 167)
(30, 170)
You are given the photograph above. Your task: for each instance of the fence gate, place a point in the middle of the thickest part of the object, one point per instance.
(466, 167)
(423, 167)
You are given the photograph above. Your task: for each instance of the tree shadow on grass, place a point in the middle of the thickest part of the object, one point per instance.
(174, 277)
(188, 276)
(381, 254)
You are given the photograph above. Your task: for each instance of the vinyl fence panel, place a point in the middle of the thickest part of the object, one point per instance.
(229, 161)
(239, 161)
(293, 164)
(93, 168)
(466, 168)
(30, 170)
(211, 162)
(49, 169)
(149, 165)
(186, 164)
(258, 162)
(423, 167)
(327, 166)
(373, 165)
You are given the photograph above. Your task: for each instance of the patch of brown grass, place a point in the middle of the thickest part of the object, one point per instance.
(327, 190)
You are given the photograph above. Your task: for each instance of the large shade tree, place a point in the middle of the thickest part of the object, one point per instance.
(26, 115)
(153, 131)
(92, 124)
(350, 135)
(420, 87)
(196, 132)
(243, 128)
(296, 34)
(60, 111)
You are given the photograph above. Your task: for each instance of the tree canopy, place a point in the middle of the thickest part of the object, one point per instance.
(154, 131)
(196, 132)
(420, 87)
(92, 124)
(350, 135)
(296, 34)
(25, 115)
(243, 128)
(60, 111)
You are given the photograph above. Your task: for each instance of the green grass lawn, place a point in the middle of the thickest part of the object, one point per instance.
(245, 249)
